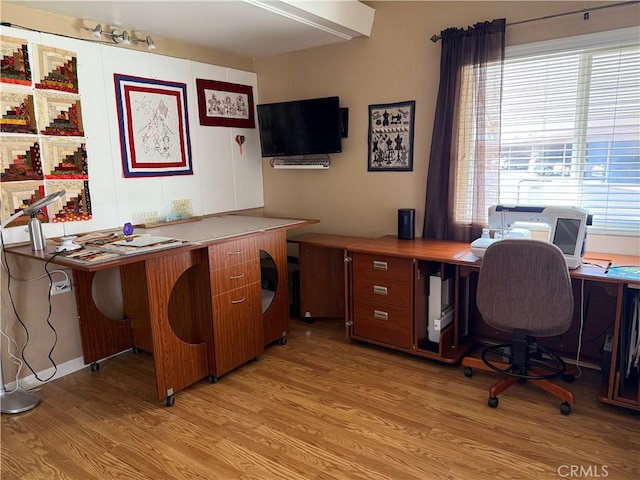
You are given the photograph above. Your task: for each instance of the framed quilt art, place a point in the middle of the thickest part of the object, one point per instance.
(154, 127)
(225, 104)
(391, 137)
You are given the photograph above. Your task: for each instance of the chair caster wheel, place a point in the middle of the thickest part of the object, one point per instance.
(212, 379)
(95, 366)
(468, 371)
(282, 341)
(565, 408)
(568, 377)
(169, 401)
(493, 402)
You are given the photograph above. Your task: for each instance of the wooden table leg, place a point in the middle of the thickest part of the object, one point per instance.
(178, 363)
(101, 336)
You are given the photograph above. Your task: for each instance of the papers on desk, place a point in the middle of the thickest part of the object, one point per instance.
(88, 255)
(103, 247)
(141, 244)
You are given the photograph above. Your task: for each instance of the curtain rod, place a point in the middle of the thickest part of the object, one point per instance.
(586, 11)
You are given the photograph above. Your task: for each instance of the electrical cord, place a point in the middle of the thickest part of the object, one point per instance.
(17, 315)
(15, 360)
(590, 264)
(581, 329)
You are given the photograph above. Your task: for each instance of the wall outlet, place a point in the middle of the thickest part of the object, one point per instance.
(62, 286)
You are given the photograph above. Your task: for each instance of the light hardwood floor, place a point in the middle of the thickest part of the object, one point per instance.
(319, 407)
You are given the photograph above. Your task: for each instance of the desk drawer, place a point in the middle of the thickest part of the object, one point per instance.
(233, 252)
(386, 291)
(383, 323)
(237, 327)
(235, 276)
(382, 267)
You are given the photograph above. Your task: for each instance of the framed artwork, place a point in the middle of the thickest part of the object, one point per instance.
(391, 136)
(154, 127)
(225, 104)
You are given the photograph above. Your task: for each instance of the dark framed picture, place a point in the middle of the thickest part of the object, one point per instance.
(154, 127)
(391, 137)
(223, 104)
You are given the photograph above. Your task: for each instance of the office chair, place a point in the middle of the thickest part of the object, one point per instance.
(524, 288)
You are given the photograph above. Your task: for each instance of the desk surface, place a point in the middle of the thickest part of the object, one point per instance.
(195, 234)
(594, 263)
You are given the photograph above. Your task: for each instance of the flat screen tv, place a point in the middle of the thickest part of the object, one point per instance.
(302, 127)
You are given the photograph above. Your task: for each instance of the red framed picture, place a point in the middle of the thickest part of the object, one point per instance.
(154, 127)
(223, 104)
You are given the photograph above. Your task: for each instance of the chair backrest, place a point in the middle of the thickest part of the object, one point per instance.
(525, 284)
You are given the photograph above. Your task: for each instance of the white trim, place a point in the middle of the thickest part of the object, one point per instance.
(31, 382)
(578, 42)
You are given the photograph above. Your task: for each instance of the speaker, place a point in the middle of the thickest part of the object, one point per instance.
(344, 122)
(406, 223)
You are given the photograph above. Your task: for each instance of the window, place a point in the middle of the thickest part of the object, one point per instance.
(570, 127)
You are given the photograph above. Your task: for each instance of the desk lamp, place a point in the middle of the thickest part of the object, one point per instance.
(20, 401)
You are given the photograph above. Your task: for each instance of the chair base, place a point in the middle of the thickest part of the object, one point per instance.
(500, 386)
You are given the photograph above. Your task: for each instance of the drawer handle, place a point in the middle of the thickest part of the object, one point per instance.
(235, 277)
(233, 302)
(380, 290)
(380, 315)
(237, 252)
(378, 265)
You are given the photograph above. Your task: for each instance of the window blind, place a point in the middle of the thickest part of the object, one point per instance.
(570, 127)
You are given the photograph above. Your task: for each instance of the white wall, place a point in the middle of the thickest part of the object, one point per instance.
(222, 180)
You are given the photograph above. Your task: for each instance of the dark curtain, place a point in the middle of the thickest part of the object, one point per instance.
(466, 132)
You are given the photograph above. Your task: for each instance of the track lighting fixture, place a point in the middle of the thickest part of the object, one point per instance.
(150, 44)
(96, 32)
(121, 37)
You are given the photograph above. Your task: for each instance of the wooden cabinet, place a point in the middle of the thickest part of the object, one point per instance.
(322, 292)
(621, 384)
(236, 299)
(383, 299)
(276, 314)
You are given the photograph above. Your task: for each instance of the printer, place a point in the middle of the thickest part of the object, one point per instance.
(567, 227)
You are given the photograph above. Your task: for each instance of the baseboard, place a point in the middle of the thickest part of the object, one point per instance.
(30, 381)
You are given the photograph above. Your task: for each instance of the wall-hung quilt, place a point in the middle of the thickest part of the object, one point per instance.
(43, 145)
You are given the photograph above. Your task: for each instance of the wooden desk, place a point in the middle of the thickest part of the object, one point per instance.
(196, 308)
(388, 306)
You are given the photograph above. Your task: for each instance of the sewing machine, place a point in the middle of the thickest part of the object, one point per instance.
(566, 228)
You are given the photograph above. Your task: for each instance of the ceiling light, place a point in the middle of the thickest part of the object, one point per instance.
(96, 32)
(121, 37)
